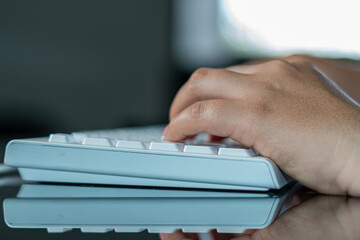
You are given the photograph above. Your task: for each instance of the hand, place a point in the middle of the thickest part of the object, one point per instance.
(345, 73)
(321, 217)
(288, 111)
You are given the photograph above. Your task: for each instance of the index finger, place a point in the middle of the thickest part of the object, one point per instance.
(224, 118)
(205, 84)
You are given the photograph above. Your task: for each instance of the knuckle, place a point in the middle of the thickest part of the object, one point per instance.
(199, 75)
(173, 124)
(277, 85)
(279, 64)
(283, 67)
(197, 110)
(204, 109)
(300, 61)
(295, 58)
(304, 64)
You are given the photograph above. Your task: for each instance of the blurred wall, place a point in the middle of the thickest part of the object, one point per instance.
(71, 65)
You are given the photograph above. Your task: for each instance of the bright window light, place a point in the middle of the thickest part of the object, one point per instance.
(280, 27)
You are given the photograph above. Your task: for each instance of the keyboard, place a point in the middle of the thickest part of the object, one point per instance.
(139, 157)
(104, 209)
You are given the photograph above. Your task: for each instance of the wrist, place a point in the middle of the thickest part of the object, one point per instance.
(351, 176)
(348, 158)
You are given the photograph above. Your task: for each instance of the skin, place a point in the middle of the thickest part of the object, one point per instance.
(345, 73)
(320, 217)
(287, 109)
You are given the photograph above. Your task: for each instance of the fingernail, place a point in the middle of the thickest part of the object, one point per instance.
(164, 133)
(161, 236)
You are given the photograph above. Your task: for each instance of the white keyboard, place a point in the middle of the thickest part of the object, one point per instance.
(138, 157)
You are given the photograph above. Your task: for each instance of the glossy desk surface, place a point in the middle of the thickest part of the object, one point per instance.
(70, 212)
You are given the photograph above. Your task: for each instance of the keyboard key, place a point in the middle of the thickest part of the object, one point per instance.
(58, 229)
(129, 229)
(103, 142)
(58, 138)
(79, 137)
(196, 229)
(231, 230)
(130, 144)
(206, 143)
(161, 230)
(237, 152)
(95, 229)
(200, 149)
(166, 146)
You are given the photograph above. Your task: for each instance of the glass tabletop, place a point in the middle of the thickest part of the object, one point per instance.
(54, 211)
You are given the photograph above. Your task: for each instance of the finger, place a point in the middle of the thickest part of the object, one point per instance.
(217, 117)
(245, 237)
(207, 84)
(221, 236)
(203, 116)
(192, 236)
(178, 236)
(213, 138)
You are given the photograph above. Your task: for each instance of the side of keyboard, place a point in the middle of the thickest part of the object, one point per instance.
(138, 156)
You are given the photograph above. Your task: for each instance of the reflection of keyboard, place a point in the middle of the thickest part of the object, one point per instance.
(137, 156)
(103, 209)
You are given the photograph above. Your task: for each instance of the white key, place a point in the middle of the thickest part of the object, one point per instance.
(130, 144)
(79, 137)
(58, 229)
(200, 149)
(161, 230)
(206, 143)
(95, 229)
(231, 230)
(128, 229)
(103, 142)
(58, 138)
(196, 229)
(166, 146)
(237, 152)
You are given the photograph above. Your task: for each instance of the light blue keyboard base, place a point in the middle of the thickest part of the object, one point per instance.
(39, 160)
(88, 178)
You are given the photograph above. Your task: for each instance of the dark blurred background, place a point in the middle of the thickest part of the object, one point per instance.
(74, 65)
(70, 65)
